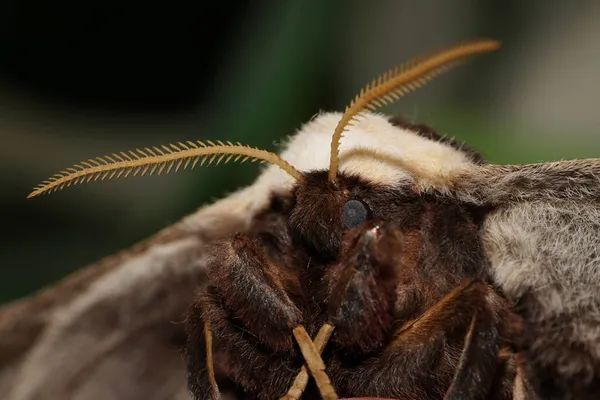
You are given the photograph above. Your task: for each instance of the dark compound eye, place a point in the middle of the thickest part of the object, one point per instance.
(355, 213)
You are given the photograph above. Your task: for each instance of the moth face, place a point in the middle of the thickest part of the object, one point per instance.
(437, 236)
(372, 184)
(323, 213)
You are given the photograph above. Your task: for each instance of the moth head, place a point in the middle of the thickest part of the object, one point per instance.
(344, 159)
(372, 168)
(373, 182)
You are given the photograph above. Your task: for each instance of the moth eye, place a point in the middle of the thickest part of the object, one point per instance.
(355, 213)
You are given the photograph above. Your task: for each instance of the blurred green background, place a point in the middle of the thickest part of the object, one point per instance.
(82, 79)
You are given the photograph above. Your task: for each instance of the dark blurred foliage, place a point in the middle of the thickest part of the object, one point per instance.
(80, 79)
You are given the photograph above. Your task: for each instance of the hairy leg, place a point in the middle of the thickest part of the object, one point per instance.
(255, 291)
(360, 290)
(252, 317)
(421, 360)
(377, 282)
(199, 352)
(482, 360)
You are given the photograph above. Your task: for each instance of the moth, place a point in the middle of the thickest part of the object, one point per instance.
(419, 270)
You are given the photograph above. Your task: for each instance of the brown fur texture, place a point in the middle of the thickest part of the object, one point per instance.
(411, 308)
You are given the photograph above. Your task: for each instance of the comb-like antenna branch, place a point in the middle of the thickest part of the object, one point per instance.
(148, 160)
(399, 81)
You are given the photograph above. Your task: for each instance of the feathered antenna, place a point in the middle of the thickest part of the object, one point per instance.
(399, 81)
(157, 159)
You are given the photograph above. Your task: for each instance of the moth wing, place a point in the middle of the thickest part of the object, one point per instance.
(541, 238)
(541, 234)
(114, 329)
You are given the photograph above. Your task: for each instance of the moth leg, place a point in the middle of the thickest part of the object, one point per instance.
(301, 380)
(255, 291)
(360, 289)
(199, 353)
(421, 359)
(210, 365)
(249, 303)
(522, 388)
(511, 381)
(251, 275)
(478, 360)
(477, 366)
(315, 363)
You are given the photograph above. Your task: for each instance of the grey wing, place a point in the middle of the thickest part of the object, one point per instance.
(114, 329)
(544, 255)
